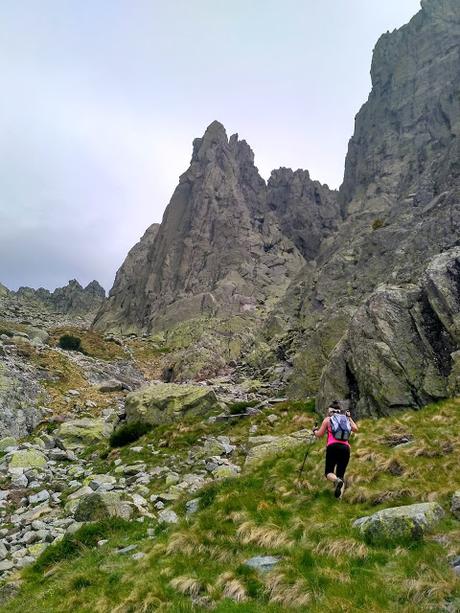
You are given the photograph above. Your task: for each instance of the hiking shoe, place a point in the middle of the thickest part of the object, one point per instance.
(339, 487)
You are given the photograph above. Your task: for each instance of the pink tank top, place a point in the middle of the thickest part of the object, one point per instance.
(331, 439)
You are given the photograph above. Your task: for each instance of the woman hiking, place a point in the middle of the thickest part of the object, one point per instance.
(338, 426)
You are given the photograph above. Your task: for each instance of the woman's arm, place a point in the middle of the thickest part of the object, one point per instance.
(354, 427)
(322, 429)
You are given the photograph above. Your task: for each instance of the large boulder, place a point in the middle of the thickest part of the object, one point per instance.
(400, 523)
(263, 447)
(165, 402)
(19, 394)
(82, 432)
(97, 506)
(27, 458)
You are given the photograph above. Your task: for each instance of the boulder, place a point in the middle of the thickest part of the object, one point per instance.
(168, 516)
(82, 432)
(97, 506)
(7, 441)
(263, 563)
(27, 458)
(272, 445)
(400, 523)
(166, 402)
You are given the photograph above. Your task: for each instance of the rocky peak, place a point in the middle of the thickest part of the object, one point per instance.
(308, 212)
(405, 144)
(71, 299)
(218, 250)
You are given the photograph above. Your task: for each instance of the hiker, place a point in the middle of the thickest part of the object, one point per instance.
(339, 426)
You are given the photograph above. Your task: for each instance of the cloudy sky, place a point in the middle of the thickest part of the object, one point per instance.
(102, 99)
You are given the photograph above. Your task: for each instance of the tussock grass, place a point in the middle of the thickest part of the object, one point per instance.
(199, 564)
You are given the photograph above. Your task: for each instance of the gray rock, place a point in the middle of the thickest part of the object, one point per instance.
(192, 506)
(96, 506)
(6, 565)
(168, 516)
(399, 523)
(399, 349)
(127, 549)
(39, 497)
(263, 563)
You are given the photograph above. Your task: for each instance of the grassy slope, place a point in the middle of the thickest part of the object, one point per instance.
(325, 566)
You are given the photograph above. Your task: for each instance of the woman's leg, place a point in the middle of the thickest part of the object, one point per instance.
(342, 461)
(331, 462)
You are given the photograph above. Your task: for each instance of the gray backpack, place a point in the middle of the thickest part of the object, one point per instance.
(340, 426)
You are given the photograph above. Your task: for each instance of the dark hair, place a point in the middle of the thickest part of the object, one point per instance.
(335, 404)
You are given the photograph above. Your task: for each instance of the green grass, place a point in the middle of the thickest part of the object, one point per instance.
(325, 565)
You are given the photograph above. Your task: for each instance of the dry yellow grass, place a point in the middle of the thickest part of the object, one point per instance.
(270, 537)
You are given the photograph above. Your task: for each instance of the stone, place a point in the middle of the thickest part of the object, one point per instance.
(27, 458)
(226, 471)
(165, 402)
(192, 506)
(168, 516)
(97, 506)
(263, 563)
(6, 565)
(39, 497)
(126, 549)
(3, 551)
(455, 505)
(97, 481)
(138, 556)
(273, 445)
(7, 441)
(79, 433)
(111, 385)
(400, 523)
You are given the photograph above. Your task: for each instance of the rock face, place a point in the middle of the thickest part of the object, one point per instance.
(401, 192)
(400, 523)
(307, 211)
(19, 398)
(221, 248)
(401, 349)
(165, 402)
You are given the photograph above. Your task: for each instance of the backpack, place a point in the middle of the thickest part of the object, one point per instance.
(340, 427)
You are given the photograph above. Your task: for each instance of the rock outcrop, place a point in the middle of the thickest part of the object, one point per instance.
(401, 348)
(400, 523)
(401, 192)
(161, 403)
(307, 211)
(225, 245)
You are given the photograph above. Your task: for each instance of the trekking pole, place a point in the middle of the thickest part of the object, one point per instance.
(312, 440)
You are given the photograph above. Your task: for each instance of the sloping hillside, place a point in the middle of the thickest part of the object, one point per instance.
(324, 564)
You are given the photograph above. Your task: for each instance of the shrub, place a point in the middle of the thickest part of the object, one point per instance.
(72, 545)
(240, 407)
(377, 224)
(128, 433)
(70, 342)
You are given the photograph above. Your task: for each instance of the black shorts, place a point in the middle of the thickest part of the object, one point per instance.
(338, 455)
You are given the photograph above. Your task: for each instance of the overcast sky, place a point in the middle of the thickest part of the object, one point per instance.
(101, 100)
